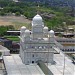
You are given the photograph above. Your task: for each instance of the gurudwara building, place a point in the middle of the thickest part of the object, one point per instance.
(37, 44)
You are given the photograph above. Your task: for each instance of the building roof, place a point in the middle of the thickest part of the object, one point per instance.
(13, 31)
(33, 69)
(14, 66)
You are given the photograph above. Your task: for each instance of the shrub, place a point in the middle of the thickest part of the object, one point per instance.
(17, 14)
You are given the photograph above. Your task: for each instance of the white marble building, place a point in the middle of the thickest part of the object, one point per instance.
(36, 45)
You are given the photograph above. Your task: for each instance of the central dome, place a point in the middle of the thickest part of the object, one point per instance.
(37, 18)
(37, 21)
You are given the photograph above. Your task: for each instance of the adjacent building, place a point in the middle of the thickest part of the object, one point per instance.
(68, 44)
(5, 42)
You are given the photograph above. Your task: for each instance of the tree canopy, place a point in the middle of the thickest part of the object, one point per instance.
(53, 15)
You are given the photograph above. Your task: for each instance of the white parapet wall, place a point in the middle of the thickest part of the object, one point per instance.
(4, 51)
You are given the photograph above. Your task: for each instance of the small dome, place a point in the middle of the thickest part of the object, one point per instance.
(45, 29)
(23, 28)
(27, 32)
(51, 32)
(37, 18)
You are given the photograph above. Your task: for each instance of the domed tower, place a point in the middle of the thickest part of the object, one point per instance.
(51, 36)
(45, 31)
(22, 31)
(37, 27)
(27, 35)
(51, 32)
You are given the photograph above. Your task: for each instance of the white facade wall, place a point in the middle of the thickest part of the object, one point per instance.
(34, 46)
(31, 57)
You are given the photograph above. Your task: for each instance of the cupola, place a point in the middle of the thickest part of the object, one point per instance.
(27, 33)
(45, 29)
(23, 28)
(51, 33)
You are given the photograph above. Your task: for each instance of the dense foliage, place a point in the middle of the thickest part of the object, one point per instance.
(4, 29)
(54, 2)
(53, 15)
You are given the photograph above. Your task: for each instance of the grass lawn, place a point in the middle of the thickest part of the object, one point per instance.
(18, 25)
(13, 38)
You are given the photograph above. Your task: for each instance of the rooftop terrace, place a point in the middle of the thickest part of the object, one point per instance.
(62, 66)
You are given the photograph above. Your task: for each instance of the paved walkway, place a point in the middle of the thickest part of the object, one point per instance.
(62, 67)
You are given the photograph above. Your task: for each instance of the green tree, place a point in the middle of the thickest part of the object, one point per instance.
(3, 29)
(2, 13)
(17, 14)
